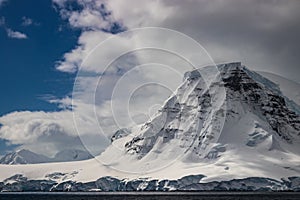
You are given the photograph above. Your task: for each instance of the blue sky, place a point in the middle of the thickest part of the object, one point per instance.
(28, 75)
(28, 65)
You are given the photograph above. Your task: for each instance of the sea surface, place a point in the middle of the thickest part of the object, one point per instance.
(150, 195)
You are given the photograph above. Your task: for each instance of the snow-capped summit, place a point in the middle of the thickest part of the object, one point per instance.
(255, 103)
(208, 118)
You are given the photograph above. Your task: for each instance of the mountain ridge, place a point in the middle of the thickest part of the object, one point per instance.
(24, 156)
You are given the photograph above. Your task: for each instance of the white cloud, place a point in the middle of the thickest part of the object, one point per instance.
(137, 13)
(15, 34)
(87, 18)
(91, 18)
(71, 61)
(50, 132)
(36, 128)
(93, 14)
(26, 21)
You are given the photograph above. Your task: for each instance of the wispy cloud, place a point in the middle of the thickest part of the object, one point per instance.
(15, 34)
(26, 21)
(11, 33)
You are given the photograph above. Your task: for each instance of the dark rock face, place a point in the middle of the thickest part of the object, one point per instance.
(108, 184)
(273, 107)
(19, 183)
(119, 134)
(71, 186)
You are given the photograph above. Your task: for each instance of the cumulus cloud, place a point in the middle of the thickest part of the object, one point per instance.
(49, 132)
(32, 129)
(99, 20)
(88, 15)
(15, 34)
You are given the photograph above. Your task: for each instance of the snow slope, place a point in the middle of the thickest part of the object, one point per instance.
(236, 125)
(71, 155)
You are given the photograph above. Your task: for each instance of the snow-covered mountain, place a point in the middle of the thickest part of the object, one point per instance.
(24, 156)
(232, 130)
(237, 111)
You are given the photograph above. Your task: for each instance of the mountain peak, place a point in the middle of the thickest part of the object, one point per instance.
(230, 65)
(239, 109)
(224, 67)
(23, 156)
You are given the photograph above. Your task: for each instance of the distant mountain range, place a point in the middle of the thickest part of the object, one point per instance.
(24, 156)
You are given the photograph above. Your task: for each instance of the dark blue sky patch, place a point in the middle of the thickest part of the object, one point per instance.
(6, 147)
(28, 65)
(115, 28)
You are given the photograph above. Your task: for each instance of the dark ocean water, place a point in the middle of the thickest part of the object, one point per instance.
(152, 195)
